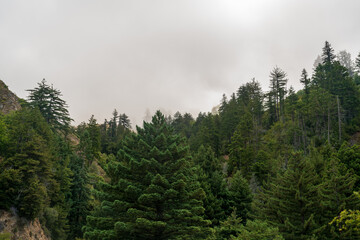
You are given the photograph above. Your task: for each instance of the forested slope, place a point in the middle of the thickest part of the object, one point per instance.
(281, 164)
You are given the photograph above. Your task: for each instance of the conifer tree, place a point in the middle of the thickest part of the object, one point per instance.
(29, 159)
(328, 55)
(357, 63)
(289, 200)
(242, 151)
(80, 197)
(240, 196)
(124, 121)
(258, 230)
(54, 109)
(153, 191)
(212, 181)
(335, 193)
(305, 81)
(278, 91)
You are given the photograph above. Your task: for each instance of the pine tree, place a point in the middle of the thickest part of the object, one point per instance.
(153, 192)
(288, 201)
(54, 109)
(305, 81)
(335, 193)
(258, 230)
(212, 181)
(242, 151)
(124, 121)
(29, 160)
(240, 196)
(80, 197)
(229, 121)
(328, 55)
(94, 132)
(335, 79)
(357, 63)
(350, 156)
(278, 83)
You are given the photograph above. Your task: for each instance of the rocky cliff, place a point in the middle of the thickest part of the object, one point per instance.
(20, 228)
(8, 100)
(11, 226)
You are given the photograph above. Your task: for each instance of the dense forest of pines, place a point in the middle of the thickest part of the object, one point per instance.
(281, 164)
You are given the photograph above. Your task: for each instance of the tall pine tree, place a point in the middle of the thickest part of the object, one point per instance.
(153, 192)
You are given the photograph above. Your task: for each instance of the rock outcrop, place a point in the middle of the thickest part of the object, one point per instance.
(20, 228)
(8, 101)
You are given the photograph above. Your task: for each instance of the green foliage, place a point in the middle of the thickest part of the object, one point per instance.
(3, 136)
(205, 131)
(80, 196)
(212, 182)
(54, 109)
(153, 191)
(231, 227)
(350, 156)
(33, 199)
(328, 55)
(240, 196)
(288, 200)
(335, 79)
(277, 93)
(347, 223)
(182, 124)
(303, 199)
(27, 163)
(241, 148)
(5, 236)
(258, 230)
(112, 133)
(305, 81)
(284, 153)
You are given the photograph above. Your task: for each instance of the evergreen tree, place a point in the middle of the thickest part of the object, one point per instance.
(29, 160)
(288, 201)
(305, 81)
(124, 121)
(242, 150)
(94, 132)
(212, 181)
(258, 230)
(240, 196)
(54, 109)
(80, 197)
(229, 228)
(328, 55)
(153, 192)
(350, 156)
(357, 63)
(335, 79)
(278, 83)
(229, 121)
(335, 193)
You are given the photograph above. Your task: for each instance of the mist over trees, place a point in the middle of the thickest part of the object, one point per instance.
(276, 164)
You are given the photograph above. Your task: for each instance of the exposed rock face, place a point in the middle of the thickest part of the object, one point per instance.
(20, 228)
(8, 101)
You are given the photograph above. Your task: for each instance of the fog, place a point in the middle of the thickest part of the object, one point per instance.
(175, 55)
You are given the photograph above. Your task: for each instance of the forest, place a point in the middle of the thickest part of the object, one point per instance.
(263, 165)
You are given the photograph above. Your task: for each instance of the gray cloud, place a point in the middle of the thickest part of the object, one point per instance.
(169, 54)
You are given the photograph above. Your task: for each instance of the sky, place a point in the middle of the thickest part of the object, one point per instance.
(174, 55)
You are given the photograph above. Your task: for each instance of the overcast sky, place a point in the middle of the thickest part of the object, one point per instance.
(141, 55)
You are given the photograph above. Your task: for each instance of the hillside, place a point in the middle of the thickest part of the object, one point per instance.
(8, 100)
(274, 165)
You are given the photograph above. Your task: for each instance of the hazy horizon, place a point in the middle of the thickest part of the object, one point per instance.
(139, 56)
